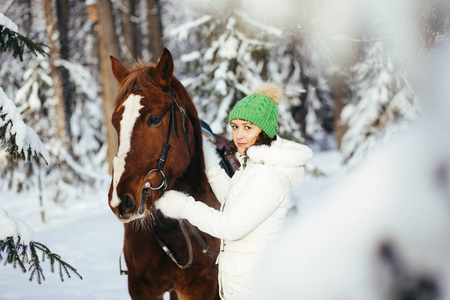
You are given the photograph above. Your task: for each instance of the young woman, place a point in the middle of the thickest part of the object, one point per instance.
(254, 202)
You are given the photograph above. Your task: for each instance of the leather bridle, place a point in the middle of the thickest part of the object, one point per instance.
(163, 157)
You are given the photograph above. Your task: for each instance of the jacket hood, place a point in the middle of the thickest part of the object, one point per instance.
(287, 156)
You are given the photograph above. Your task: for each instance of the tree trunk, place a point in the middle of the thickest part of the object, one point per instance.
(52, 36)
(155, 44)
(340, 96)
(41, 194)
(131, 32)
(108, 45)
(299, 112)
(62, 12)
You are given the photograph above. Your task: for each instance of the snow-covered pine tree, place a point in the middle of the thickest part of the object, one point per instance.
(68, 174)
(307, 114)
(382, 100)
(224, 71)
(22, 141)
(223, 56)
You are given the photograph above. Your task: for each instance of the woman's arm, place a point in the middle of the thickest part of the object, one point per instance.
(253, 207)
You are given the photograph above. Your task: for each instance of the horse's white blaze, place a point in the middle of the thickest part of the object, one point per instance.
(132, 106)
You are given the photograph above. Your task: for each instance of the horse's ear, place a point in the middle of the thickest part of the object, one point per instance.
(118, 69)
(164, 69)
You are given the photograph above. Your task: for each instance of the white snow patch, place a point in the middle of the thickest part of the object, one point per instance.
(195, 55)
(12, 227)
(7, 23)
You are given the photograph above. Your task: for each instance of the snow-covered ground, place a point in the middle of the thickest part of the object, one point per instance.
(89, 237)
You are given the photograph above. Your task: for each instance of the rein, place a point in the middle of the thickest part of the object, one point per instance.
(163, 187)
(169, 253)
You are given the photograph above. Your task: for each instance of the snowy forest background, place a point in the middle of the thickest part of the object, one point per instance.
(358, 76)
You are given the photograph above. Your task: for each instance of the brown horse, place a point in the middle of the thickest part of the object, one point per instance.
(160, 148)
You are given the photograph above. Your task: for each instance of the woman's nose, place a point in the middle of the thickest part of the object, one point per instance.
(239, 134)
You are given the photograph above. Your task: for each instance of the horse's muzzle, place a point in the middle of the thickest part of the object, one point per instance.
(126, 205)
(133, 207)
(129, 209)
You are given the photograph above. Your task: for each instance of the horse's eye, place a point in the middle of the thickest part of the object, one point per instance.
(153, 120)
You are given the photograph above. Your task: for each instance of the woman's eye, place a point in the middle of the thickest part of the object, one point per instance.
(153, 120)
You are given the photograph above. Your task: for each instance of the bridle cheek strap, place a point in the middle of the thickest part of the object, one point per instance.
(183, 118)
(165, 151)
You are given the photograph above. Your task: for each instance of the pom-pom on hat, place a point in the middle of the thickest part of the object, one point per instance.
(260, 108)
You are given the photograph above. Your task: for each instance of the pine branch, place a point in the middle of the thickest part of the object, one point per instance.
(12, 253)
(11, 144)
(34, 148)
(53, 257)
(18, 254)
(35, 267)
(15, 42)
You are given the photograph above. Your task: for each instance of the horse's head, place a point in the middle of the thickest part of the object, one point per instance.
(156, 123)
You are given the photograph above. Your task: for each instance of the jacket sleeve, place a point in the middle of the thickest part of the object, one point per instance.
(217, 177)
(261, 198)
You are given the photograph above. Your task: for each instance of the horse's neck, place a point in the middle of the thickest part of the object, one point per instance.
(195, 183)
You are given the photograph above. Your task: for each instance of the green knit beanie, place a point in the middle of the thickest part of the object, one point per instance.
(260, 108)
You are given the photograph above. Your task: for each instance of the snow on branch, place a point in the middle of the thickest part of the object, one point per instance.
(10, 39)
(271, 30)
(15, 228)
(7, 23)
(18, 250)
(22, 140)
(182, 31)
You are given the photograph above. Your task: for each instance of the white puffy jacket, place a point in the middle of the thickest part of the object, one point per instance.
(254, 203)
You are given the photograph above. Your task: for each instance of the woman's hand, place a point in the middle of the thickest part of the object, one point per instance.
(172, 203)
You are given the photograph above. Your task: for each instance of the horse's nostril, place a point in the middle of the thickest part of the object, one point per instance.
(127, 203)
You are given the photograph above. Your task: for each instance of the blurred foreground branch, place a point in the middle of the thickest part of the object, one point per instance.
(29, 258)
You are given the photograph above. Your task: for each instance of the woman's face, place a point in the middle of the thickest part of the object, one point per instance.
(244, 134)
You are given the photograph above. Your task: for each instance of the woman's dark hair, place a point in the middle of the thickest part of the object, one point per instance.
(263, 139)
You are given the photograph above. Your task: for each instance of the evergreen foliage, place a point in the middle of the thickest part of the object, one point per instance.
(11, 144)
(382, 101)
(29, 258)
(17, 43)
(30, 144)
(71, 169)
(25, 256)
(226, 71)
(226, 55)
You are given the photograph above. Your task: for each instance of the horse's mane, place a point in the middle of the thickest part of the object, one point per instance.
(139, 75)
